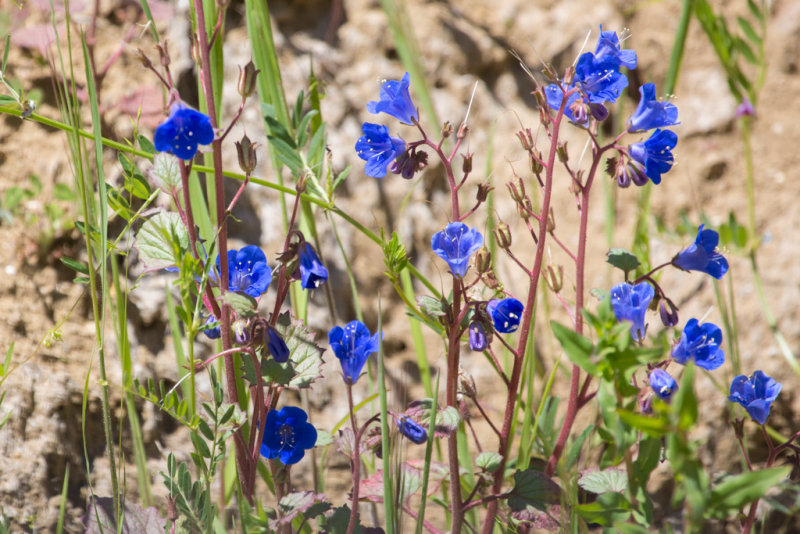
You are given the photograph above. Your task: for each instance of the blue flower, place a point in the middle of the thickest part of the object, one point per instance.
(352, 345)
(395, 101)
(378, 148)
(630, 303)
(662, 383)
(213, 332)
(650, 113)
(455, 244)
(756, 394)
(600, 79)
(654, 156)
(276, 345)
(608, 47)
(287, 435)
(248, 271)
(478, 340)
(312, 273)
(506, 314)
(555, 96)
(183, 131)
(702, 255)
(412, 430)
(701, 343)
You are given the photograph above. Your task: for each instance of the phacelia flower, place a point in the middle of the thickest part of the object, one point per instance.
(248, 271)
(600, 79)
(655, 155)
(287, 435)
(702, 255)
(701, 343)
(455, 245)
(478, 340)
(396, 101)
(630, 303)
(312, 273)
(276, 345)
(506, 314)
(412, 430)
(214, 332)
(745, 108)
(756, 394)
(608, 47)
(352, 345)
(652, 113)
(378, 148)
(183, 131)
(662, 383)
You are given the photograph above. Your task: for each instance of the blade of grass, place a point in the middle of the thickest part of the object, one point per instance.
(62, 507)
(426, 468)
(388, 491)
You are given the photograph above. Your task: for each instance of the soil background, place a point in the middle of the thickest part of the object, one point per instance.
(464, 45)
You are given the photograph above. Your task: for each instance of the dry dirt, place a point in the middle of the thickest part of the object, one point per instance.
(461, 42)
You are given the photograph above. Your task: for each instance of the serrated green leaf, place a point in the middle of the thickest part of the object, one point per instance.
(243, 304)
(447, 420)
(533, 488)
(577, 347)
(75, 265)
(622, 259)
(162, 240)
(488, 461)
(605, 481)
(165, 172)
(305, 357)
(736, 491)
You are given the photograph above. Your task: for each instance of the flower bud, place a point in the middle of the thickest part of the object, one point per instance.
(668, 313)
(554, 277)
(551, 221)
(525, 138)
(143, 59)
(246, 151)
(462, 130)
(478, 340)
(468, 385)
(536, 162)
(483, 260)
(483, 191)
(466, 166)
(447, 129)
(503, 235)
(563, 155)
(247, 79)
(241, 333)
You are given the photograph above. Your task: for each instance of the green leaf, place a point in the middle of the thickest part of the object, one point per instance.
(755, 10)
(307, 503)
(162, 240)
(7, 99)
(75, 265)
(746, 51)
(165, 172)
(447, 420)
(605, 481)
(533, 488)
(432, 306)
(608, 509)
(736, 491)
(578, 348)
(622, 259)
(243, 304)
(63, 192)
(748, 30)
(278, 131)
(488, 461)
(577, 446)
(323, 438)
(119, 203)
(286, 153)
(394, 256)
(650, 425)
(145, 144)
(305, 355)
(100, 518)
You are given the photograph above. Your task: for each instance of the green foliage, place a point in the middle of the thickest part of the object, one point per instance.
(623, 260)
(533, 488)
(605, 481)
(162, 240)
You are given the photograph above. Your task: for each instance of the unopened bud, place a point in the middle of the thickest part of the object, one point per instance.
(525, 208)
(551, 221)
(483, 260)
(536, 162)
(668, 312)
(462, 130)
(563, 155)
(503, 235)
(246, 151)
(554, 278)
(241, 333)
(447, 129)
(247, 79)
(483, 191)
(468, 383)
(513, 190)
(301, 184)
(525, 138)
(466, 166)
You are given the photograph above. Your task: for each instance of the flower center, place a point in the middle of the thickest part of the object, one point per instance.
(286, 433)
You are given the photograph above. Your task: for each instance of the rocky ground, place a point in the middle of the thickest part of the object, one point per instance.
(47, 319)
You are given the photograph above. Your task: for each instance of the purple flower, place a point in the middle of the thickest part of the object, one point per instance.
(608, 47)
(352, 345)
(276, 345)
(654, 156)
(630, 303)
(702, 255)
(756, 394)
(287, 435)
(412, 430)
(378, 148)
(478, 340)
(213, 332)
(248, 271)
(651, 113)
(506, 314)
(395, 101)
(455, 245)
(745, 108)
(183, 131)
(312, 273)
(662, 383)
(701, 343)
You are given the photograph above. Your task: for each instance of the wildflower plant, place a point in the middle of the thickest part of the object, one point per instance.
(253, 303)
